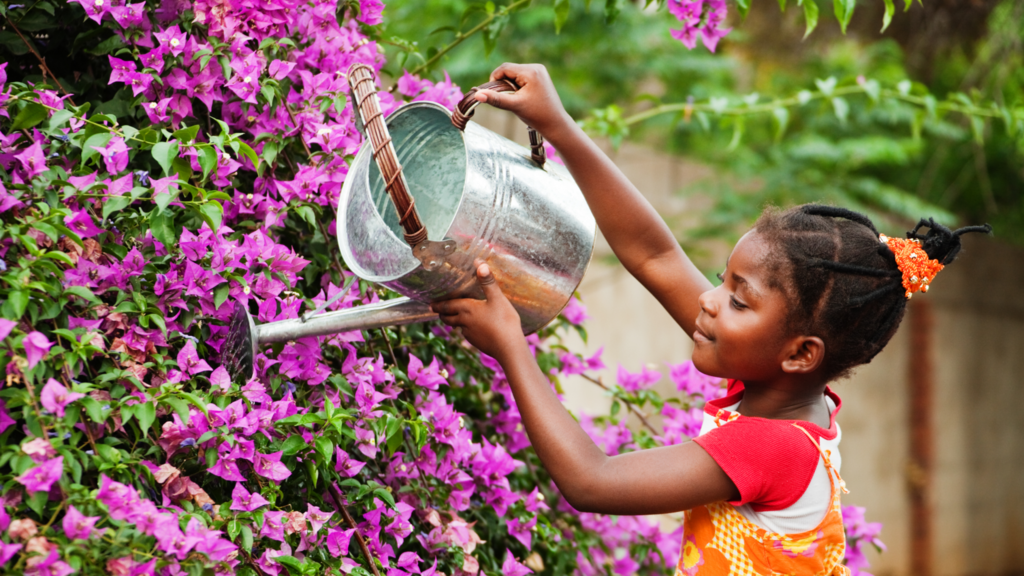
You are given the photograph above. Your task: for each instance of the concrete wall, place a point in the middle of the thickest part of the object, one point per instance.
(978, 482)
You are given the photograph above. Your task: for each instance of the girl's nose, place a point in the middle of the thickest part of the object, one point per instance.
(707, 303)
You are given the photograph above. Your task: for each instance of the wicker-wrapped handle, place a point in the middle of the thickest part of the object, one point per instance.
(465, 109)
(367, 107)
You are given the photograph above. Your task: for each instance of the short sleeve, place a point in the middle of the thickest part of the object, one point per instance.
(771, 462)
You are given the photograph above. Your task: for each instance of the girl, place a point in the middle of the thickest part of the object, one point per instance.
(808, 294)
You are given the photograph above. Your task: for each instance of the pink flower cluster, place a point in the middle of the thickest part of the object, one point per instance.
(701, 19)
(859, 533)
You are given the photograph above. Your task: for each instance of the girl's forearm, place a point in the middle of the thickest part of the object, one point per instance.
(565, 450)
(633, 228)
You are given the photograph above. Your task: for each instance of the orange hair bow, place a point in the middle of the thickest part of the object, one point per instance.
(918, 269)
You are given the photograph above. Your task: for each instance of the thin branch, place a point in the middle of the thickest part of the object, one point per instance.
(335, 493)
(296, 124)
(792, 101)
(461, 37)
(628, 404)
(42, 61)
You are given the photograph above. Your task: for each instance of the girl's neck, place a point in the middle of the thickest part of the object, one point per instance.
(781, 402)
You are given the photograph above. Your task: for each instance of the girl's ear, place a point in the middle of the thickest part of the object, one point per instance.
(805, 355)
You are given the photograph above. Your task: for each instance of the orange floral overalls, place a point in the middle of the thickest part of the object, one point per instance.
(719, 541)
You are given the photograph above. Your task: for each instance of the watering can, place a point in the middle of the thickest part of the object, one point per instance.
(429, 196)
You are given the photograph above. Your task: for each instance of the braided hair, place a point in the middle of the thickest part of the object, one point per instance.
(842, 281)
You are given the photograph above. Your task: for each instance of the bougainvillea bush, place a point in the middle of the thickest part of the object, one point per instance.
(193, 160)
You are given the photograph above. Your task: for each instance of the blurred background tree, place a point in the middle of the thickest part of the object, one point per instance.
(618, 69)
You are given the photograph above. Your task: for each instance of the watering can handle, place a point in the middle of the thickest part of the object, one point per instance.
(367, 111)
(465, 109)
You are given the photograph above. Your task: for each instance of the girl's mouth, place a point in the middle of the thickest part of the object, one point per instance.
(700, 335)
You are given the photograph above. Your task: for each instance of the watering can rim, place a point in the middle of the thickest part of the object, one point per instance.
(347, 189)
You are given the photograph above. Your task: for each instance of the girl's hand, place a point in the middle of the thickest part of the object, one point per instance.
(536, 103)
(492, 325)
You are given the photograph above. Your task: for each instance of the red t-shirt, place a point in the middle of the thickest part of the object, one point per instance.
(771, 462)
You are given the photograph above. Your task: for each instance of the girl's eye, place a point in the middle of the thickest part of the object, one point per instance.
(736, 303)
(720, 276)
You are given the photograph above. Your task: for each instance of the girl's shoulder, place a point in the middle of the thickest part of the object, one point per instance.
(771, 462)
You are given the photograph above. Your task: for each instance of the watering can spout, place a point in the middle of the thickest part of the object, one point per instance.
(245, 337)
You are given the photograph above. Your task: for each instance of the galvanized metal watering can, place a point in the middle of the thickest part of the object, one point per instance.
(427, 197)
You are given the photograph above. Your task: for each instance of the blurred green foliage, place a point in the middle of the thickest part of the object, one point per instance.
(893, 159)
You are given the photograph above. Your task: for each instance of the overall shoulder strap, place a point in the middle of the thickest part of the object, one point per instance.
(826, 456)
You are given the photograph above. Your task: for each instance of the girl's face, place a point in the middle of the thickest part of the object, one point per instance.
(741, 326)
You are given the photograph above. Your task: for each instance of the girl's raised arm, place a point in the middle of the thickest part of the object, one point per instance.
(659, 480)
(634, 230)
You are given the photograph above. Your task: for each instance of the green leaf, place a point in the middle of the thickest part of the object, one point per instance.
(324, 447)
(737, 134)
(96, 411)
(561, 14)
(37, 502)
(29, 116)
(292, 445)
(743, 6)
(108, 453)
(178, 405)
(291, 563)
(827, 86)
(92, 142)
(220, 294)
(978, 129)
(781, 116)
(207, 159)
(247, 538)
(15, 305)
(212, 212)
(234, 527)
(164, 198)
(186, 135)
(145, 413)
(385, 496)
(890, 9)
(782, 5)
(810, 16)
(611, 10)
(115, 204)
(163, 228)
(82, 292)
(307, 214)
(842, 109)
(844, 11)
(59, 118)
(164, 153)
(247, 151)
(873, 89)
(270, 150)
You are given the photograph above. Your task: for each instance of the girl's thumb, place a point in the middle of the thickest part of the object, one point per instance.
(496, 99)
(487, 282)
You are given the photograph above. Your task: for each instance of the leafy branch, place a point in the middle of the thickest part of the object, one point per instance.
(461, 37)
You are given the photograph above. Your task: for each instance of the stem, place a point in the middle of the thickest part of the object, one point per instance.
(54, 517)
(42, 61)
(629, 405)
(819, 95)
(295, 123)
(335, 493)
(461, 37)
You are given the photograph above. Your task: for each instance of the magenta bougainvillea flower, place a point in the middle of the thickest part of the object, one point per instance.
(43, 476)
(114, 154)
(634, 382)
(55, 397)
(5, 328)
(78, 525)
(244, 501)
(36, 346)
